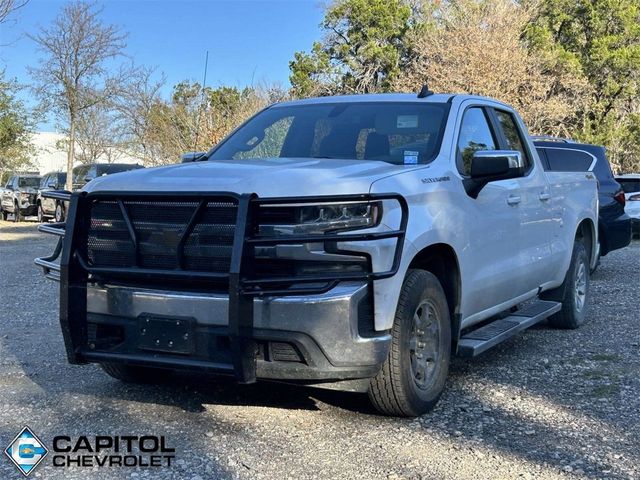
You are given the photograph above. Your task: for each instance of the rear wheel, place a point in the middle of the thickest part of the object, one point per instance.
(597, 259)
(574, 291)
(134, 374)
(412, 378)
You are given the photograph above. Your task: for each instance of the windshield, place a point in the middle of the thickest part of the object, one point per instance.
(29, 182)
(399, 133)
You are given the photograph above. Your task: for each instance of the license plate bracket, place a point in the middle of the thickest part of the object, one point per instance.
(166, 334)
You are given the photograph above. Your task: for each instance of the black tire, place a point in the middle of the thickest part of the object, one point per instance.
(597, 259)
(573, 293)
(17, 217)
(399, 389)
(135, 374)
(59, 213)
(5, 215)
(41, 218)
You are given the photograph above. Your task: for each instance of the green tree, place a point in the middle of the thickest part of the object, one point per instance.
(602, 39)
(16, 126)
(363, 51)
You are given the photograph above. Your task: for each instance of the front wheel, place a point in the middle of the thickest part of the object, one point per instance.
(413, 376)
(40, 214)
(5, 215)
(17, 217)
(574, 291)
(59, 213)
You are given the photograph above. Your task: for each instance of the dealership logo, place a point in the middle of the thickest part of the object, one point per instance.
(26, 451)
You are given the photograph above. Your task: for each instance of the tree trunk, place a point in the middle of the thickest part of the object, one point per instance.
(70, 153)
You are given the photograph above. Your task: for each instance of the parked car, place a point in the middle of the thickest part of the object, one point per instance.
(19, 196)
(83, 174)
(320, 244)
(631, 185)
(48, 207)
(561, 155)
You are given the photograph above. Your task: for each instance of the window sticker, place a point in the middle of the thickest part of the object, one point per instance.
(410, 157)
(407, 121)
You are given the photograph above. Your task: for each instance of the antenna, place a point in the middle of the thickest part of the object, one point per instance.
(204, 84)
(425, 92)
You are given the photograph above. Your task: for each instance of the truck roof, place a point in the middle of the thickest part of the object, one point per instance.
(386, 97)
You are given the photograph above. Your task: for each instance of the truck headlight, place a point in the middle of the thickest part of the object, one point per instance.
(318, 219)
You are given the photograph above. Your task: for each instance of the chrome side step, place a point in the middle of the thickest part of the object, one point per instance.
(477, 341)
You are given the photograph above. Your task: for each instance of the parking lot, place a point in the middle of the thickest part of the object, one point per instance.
(546, 404)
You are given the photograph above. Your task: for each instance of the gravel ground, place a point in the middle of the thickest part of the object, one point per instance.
(546, 404)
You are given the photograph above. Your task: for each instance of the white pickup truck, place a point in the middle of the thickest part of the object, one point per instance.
(351, 242)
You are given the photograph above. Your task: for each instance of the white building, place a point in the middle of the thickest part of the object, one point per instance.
(50, 158)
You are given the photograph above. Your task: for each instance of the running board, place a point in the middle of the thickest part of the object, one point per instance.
(477, 341)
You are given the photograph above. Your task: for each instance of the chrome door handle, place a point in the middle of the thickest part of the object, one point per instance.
(544, 197)
(513, 199)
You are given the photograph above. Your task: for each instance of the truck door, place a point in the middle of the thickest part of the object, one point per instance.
(492, 227)
(538, 225)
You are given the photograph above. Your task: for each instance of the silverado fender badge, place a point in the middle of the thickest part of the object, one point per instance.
(435, 179)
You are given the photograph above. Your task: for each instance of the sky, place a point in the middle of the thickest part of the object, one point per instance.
(249, 41)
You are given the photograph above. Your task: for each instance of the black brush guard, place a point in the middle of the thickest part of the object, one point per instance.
(73, 269)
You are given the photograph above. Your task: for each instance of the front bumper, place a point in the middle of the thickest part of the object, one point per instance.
(326, 337)
(320, 328)
(28, 209)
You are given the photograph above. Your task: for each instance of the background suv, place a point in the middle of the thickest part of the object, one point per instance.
(48, 207)
(631, 185)
(83, 174)
(19, 196)
(614, 225)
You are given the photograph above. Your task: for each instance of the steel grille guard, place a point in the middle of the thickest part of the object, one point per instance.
(73, 269)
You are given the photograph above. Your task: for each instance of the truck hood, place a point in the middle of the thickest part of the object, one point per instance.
(266, 177)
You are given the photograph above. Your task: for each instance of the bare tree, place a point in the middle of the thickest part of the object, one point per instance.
(97, 135)
(8, 6)
(134, 107)
(73, 76)
(476, 47)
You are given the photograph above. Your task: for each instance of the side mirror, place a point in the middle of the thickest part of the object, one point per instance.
(490, 166)
(192, 156)
(87, 179)
(496, 164)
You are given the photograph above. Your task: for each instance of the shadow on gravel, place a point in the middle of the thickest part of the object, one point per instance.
(190, 393)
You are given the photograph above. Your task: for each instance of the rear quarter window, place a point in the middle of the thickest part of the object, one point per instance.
(629, 185)
(566, 160)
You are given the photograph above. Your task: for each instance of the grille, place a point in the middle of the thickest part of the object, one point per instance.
(158, 228)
